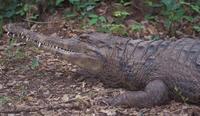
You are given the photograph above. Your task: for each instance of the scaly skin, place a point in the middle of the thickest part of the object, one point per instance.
(153, 71)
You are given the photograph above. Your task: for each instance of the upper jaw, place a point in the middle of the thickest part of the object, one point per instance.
(67, 46)
(80, 53)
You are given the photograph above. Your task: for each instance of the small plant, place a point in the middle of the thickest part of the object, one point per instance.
(119, 29)
(178, 92)
(197, 28)
(3, 100)
(35, 63)
(155, 37)
(120, 15)
(59, 2)
(175, 12)
(136, 27)
(123, 1)
(13, 52)
(94, 19)
(9, 51)
(24, 8)
(70, 15)
(84, 6)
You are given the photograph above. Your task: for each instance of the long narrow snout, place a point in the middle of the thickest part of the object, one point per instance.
(52, 42)
(71, 49)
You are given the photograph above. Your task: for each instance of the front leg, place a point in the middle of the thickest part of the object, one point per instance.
(155, 93)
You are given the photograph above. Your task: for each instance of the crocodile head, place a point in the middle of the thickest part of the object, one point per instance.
(82, 54)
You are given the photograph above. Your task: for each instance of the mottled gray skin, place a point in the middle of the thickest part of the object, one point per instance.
(154, 72)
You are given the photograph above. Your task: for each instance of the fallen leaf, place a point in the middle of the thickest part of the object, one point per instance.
(65, 98)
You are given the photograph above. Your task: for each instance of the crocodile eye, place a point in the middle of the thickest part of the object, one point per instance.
(10, 34)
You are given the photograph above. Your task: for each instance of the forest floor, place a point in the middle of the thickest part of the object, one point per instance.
(38, 83)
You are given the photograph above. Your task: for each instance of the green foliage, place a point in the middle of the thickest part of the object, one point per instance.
(196, 28)
(3, 100)
(120, 15)
(59, 2)
(113, 28)
(11, 8)
(13, 52)
(136, 27)
(24, 8)
(118, 28)
(155, 37)
(50, 5)
(84, 6)
(175, 12)
(8, 8)
(35, 63)
(94, 19)
(178, 93)
(125, 2)
(194, 6)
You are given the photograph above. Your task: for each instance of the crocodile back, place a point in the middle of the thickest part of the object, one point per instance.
(176, 63)
(179, 68)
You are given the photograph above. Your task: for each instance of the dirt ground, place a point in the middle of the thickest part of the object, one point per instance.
(34, 82)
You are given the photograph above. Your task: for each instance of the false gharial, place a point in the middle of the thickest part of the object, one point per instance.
(152, 72)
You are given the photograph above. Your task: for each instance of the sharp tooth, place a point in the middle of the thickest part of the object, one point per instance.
(23, 36)
(21, 33)
(8, 33)
(39, 44)
(27, 38)
(56, 47)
